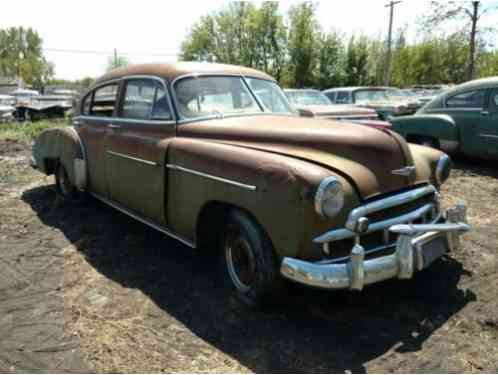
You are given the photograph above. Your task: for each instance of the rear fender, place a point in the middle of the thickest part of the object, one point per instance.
(61, 145)
(440, 127)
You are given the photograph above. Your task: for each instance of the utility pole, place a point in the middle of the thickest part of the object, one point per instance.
(387, 72)
(115, 58)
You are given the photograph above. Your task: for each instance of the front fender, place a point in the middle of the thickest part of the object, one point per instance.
(275, 189)
(442, 127)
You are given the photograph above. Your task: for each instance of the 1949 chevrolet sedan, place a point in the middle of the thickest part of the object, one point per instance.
(213, 156)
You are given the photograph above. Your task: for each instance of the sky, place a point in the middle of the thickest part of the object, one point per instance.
(152, 31)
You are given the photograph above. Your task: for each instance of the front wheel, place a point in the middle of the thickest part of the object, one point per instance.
(249, 263)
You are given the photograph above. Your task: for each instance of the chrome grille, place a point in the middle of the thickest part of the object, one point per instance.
(417, 206)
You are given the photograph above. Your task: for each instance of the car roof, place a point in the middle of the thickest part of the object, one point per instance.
(355, 88)
(481, 83)
(171, 71)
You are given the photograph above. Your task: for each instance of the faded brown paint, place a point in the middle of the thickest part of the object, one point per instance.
(285, 157)
(175, 70)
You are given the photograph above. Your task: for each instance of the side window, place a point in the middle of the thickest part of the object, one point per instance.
(104, 100)
(493, 101)
(342, 97)
(85, 107)
(470, 99)
(145, 99)
(331, 95)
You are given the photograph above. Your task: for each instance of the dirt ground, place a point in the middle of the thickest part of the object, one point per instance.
(85, 288)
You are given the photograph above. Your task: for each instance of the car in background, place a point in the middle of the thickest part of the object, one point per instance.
(463, 119)
(7, 107)
(425, 93)
(312, 103)
(54, 103)
(380, 99)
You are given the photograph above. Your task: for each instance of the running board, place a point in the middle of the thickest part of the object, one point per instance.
(145, 221)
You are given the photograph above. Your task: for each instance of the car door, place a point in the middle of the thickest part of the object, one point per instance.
(136, 147)
(488, 126)
(92, 126)
(466, 110)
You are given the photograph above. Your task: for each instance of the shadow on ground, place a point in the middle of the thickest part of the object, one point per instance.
(314, 332)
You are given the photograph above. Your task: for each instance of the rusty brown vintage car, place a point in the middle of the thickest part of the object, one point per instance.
(213, 156)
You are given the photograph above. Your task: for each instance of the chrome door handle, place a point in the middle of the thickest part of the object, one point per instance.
(485, 113)
(76, 123)
(112, 126)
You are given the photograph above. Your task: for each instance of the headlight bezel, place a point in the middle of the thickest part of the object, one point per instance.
(443, 169)
(321, 196)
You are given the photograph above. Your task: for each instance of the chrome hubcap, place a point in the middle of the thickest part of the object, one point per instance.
(240, 263)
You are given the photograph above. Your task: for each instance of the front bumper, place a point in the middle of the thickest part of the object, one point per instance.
(416, 247)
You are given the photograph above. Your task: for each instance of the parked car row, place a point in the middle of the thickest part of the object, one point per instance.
(216, 157)
(24, 104)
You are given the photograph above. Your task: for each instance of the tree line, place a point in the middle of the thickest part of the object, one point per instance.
(295, 50)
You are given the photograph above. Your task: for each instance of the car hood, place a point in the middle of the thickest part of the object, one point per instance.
(336, 110)
(365, 156)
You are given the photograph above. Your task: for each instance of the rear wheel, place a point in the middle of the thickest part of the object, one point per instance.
(249, 263)
(65, 189)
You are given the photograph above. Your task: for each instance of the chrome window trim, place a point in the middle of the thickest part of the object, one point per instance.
(145, 221)
(125, 120)
(124, 156)
(484, 135)
(212, 177)
(164, 86)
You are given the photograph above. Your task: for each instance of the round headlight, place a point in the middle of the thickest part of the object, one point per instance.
(329, 198)
(443, 169)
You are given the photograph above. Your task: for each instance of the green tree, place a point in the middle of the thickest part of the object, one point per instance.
(302, 42)
(21, 55)
(467, 14)
(331, 69)
(357, 61)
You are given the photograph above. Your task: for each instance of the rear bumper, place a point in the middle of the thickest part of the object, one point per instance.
(416, 247)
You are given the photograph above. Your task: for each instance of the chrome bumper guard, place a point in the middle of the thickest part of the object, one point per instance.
(407, 258)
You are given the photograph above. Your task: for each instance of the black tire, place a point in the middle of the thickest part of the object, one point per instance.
(429, 142)
(249, 265)
(64, 188)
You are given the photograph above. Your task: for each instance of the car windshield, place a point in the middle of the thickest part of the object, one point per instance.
(270, 95)
(226, 95)
(370, 95)
(308, 98)
(214, 96)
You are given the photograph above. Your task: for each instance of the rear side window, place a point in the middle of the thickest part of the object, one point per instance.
(342, 97)
(331, 96)
(104, 100)
(470, 99)
(145, 99)
(85, 107)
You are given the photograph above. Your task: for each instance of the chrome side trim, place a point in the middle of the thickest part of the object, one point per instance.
(382, 204)
(145, 221)
(152, 163)
(484, 135)
(344, 233)
(212, 177)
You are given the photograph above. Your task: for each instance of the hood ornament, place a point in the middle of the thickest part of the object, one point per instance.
(406, 171)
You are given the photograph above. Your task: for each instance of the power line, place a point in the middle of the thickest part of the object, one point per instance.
(107, 53)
